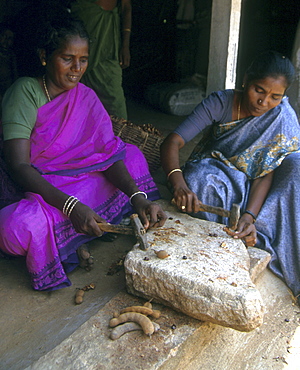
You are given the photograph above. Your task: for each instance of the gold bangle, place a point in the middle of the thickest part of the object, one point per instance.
(175, 170)
(126, 30)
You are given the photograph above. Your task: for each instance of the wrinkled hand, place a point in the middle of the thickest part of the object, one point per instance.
(186, 200)
(246, 231)
(150, 213)
(84, 220)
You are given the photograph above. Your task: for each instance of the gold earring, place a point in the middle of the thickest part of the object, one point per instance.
(43, 63)
(243, 85)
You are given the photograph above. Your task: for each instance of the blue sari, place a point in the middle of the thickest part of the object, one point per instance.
(241, 151)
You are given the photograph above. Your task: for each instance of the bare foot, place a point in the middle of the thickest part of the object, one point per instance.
(86, 261)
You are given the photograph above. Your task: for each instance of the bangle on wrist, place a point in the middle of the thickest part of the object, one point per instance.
(69, 205)
(172, 171)
(126, 30)
(136, 193)
(251, 214)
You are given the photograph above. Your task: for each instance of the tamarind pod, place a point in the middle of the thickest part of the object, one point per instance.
(79, 296)
(120, 330)
(140, 309)
(79, 300)
(155, 314)
(80, 293)
(143, 320)
(116, 314)
(148, 304)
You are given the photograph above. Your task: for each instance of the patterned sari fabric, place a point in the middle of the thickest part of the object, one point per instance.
(242, 151)
(71, 145)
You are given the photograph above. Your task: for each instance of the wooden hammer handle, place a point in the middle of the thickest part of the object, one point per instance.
(119, 229)
(211, 209)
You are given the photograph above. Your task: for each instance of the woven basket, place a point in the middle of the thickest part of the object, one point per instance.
(146, 137)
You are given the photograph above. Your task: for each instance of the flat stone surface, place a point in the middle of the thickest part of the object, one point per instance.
(206, 275)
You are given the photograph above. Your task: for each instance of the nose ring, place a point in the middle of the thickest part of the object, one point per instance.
(260, 101)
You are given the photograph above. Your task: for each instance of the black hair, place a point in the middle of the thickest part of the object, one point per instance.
(54, 32)
(46, 25)
(270, 64)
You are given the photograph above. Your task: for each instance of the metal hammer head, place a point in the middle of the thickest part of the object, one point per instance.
(234, 216)
(139, 231)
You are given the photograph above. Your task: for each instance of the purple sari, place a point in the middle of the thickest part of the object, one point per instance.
(71, 144)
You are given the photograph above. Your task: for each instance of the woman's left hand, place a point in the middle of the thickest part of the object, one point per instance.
(150, 213)
(246, 230)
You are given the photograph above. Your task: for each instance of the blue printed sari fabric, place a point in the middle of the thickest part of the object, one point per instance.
(242, 151)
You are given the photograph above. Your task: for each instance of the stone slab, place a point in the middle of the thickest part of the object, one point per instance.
(206, 275)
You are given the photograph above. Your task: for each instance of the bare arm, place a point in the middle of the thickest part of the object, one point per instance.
(119, 176)
(125, 33)
(83, 218)
(170, 160)
(17, 154)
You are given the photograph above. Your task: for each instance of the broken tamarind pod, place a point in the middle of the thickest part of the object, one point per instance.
(155, 314)
(120, 330)
(148, 304)
(116, 314)
(143, 320)
(79, 296)
(162, 254)
(140, 309)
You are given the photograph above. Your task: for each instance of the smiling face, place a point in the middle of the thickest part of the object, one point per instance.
(262, 95)
(66, 65)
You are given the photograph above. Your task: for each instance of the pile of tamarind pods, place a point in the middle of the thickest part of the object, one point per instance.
(134, 318)
(80, 292)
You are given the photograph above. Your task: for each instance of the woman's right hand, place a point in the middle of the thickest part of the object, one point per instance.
(84, 220)
(185, 199)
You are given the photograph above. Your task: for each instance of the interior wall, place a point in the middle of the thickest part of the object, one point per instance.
(266, 25)
(162, 51)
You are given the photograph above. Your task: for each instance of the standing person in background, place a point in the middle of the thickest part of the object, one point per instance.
(108, 23)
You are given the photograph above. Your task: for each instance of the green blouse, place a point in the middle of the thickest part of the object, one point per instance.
(19, 108)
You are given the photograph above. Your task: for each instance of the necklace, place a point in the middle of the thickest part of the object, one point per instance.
(46, 90)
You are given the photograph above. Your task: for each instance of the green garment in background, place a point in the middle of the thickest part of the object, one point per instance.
(104, 74)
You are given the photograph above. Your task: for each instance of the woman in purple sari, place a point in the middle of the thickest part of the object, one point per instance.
(70, 169)
(252, 159)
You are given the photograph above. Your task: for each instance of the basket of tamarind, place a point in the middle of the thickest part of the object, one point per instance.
(146, 137)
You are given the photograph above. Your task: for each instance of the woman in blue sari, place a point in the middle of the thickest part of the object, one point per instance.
(252, 158)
